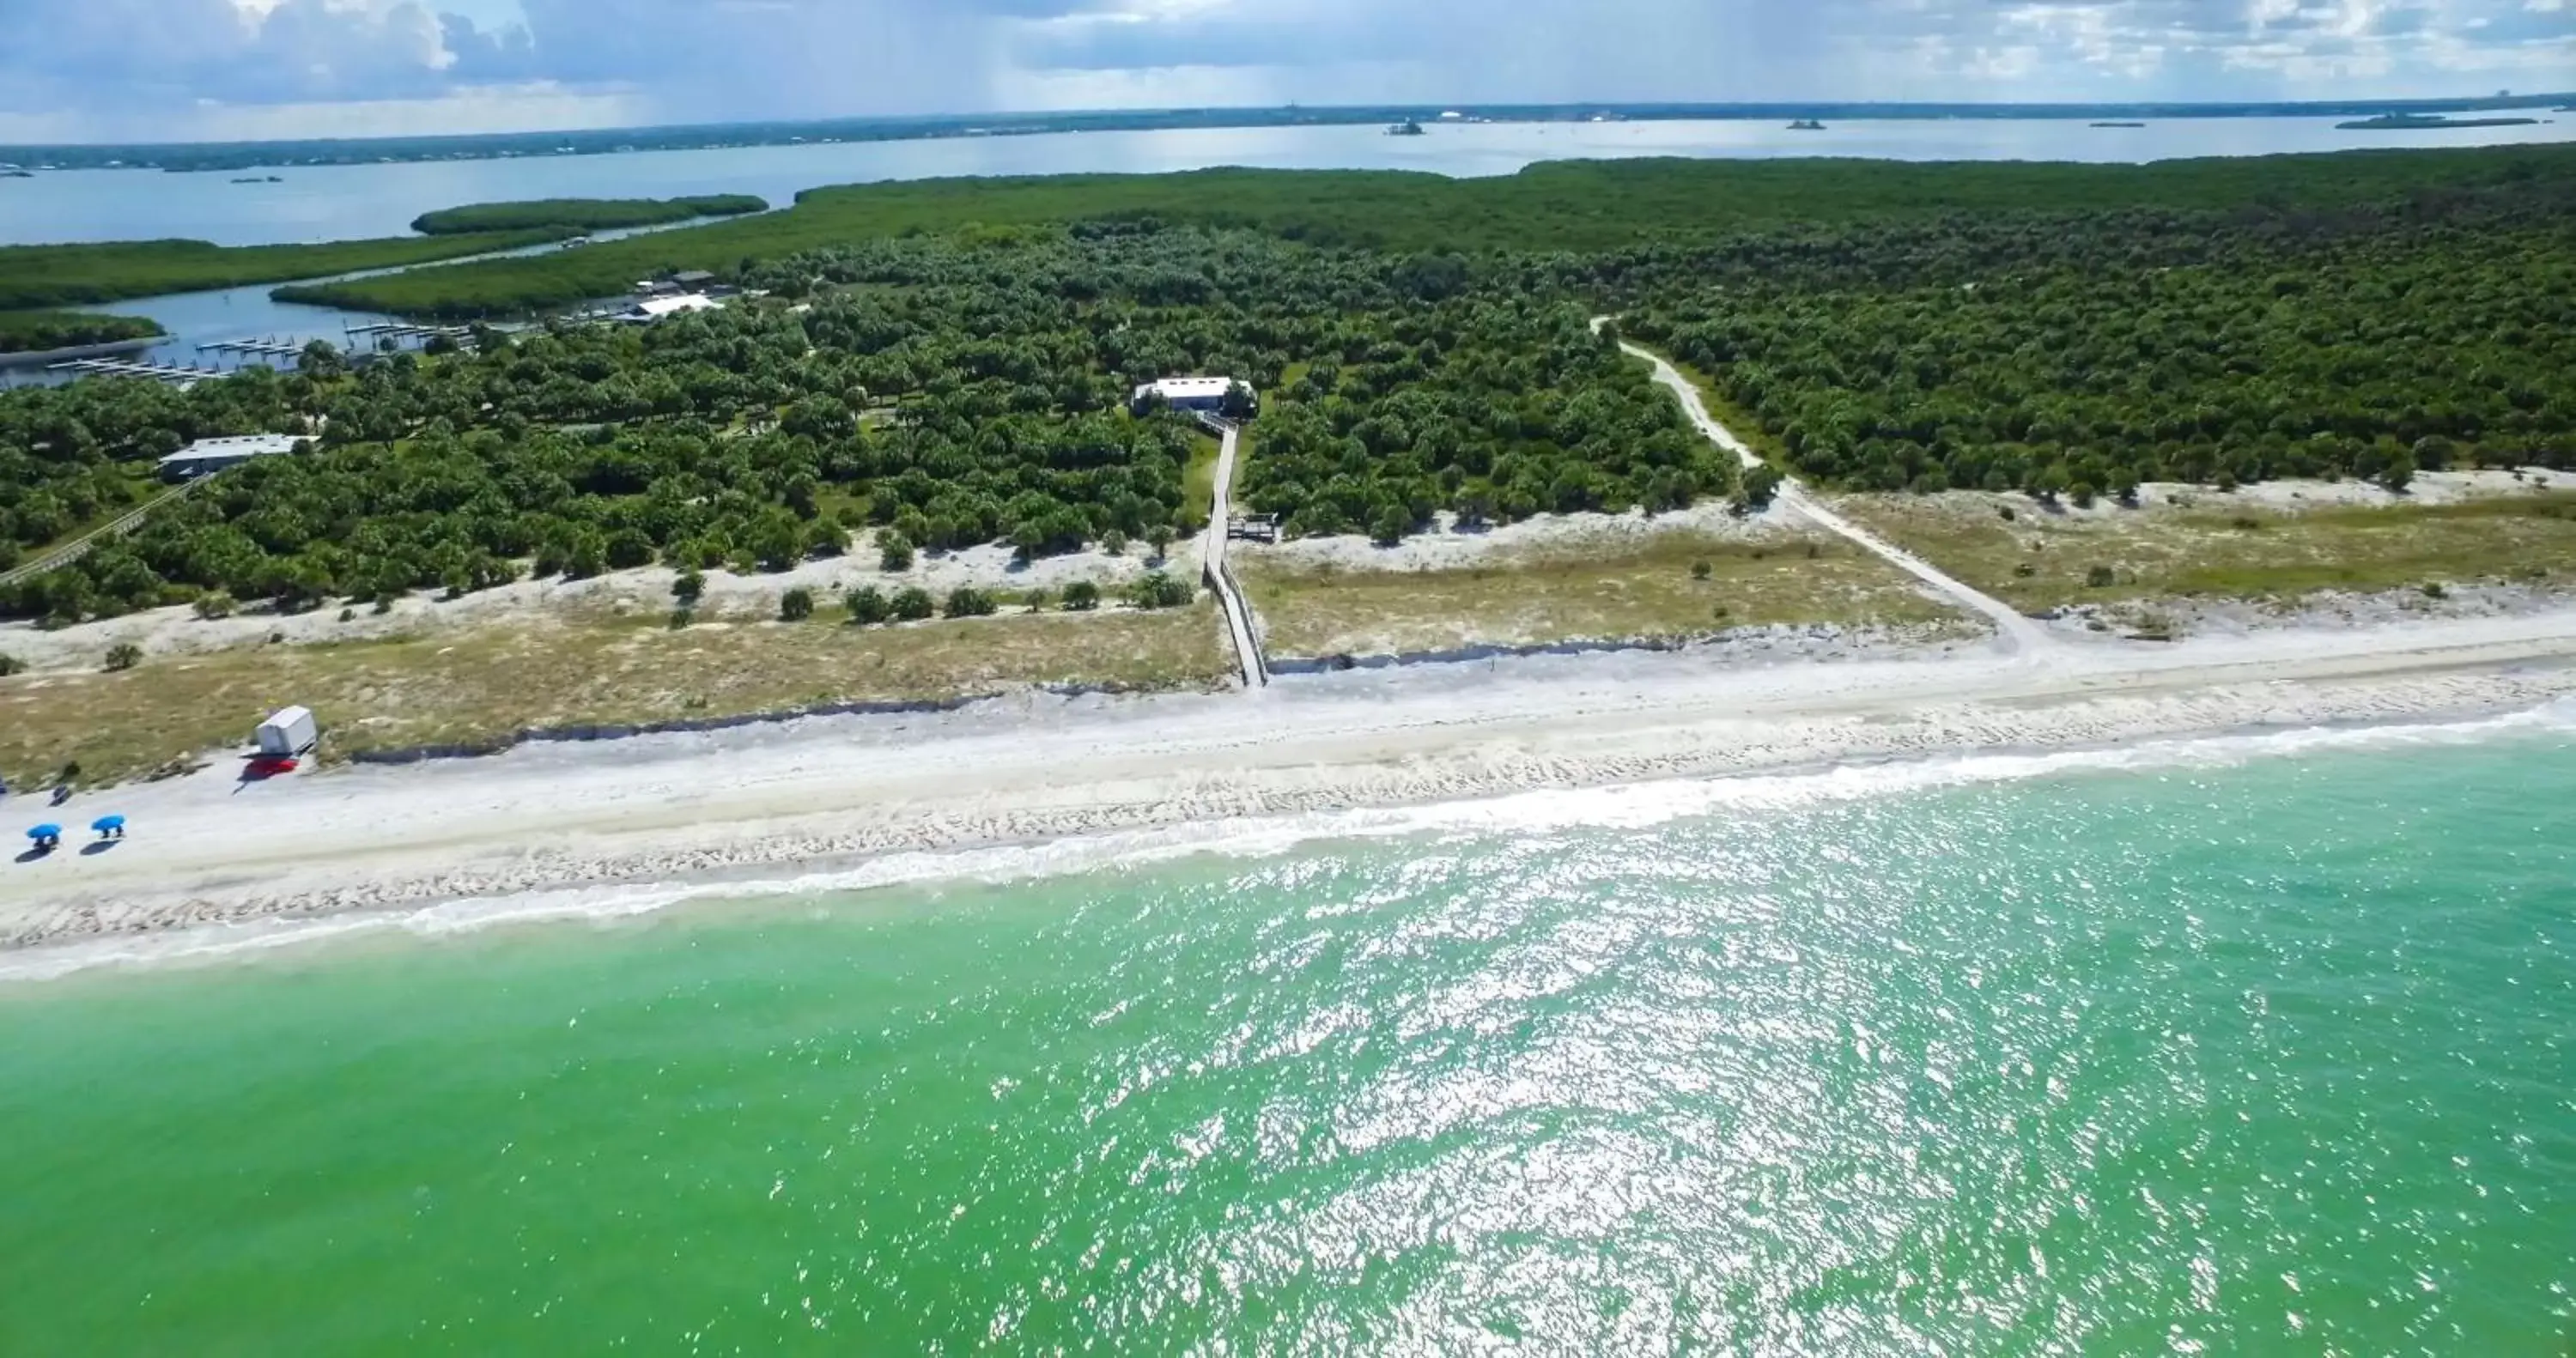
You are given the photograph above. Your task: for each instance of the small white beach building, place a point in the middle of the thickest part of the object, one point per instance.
(1187, 393)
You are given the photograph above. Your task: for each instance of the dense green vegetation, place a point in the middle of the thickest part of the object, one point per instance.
(32, 331)
(1583, 206)
(951, 376)
(734, 438)
(78, 275)
(583, 214)
(2081, 354)
(1496, 409)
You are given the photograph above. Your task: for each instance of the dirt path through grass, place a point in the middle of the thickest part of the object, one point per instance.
(2015, 633)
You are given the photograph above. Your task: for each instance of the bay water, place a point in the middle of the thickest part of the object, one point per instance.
(2259, 1045)
(347, 202)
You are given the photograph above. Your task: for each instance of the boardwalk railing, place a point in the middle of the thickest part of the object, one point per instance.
(79, 547)
(1212, 564)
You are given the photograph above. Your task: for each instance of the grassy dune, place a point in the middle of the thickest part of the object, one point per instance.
(482, 685)
(2217, 547)
(1588, 591)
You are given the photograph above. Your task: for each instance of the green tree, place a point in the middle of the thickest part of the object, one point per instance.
(968, 602)
(1081, 596)
(796, 605)
(912, 603)
(1755, 491)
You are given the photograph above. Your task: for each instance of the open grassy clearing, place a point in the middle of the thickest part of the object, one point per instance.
(483, 685)
(1532, 596)
(2214, 547)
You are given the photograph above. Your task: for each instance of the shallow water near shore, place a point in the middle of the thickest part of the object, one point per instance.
(2261, 1050)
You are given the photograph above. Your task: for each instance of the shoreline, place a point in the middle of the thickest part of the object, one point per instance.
(683, 815)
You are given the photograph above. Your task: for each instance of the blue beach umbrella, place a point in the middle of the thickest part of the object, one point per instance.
(106, 823)
(43, 832)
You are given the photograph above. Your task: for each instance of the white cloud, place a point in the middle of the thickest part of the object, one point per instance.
(206, 68)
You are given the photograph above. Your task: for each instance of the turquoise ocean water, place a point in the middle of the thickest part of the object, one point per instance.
(2248, 1046)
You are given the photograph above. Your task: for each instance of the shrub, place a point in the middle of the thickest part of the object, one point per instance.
(965, 601)
(1081, 596)
(868, 606)
(2100, 577)
(1158, 590)
(124, 655)
(894, 551)
(213, 604)
(796, 605)
(1700, 570)
(689, 588)
(9, 664)
(1113, 543)
(2433, 589)
(912, 604)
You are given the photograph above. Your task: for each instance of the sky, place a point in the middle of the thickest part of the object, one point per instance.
(135, 70)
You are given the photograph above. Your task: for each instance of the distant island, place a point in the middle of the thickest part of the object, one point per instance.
(2119, 124)
(2421, 122)
(582, 215)
(259, 179)
(1407, 128)
(1806, 125)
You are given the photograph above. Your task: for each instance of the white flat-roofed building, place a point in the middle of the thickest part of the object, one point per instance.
(1187, 393)
(658, 308)
(213, 455)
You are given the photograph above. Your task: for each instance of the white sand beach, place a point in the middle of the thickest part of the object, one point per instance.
(812, 794)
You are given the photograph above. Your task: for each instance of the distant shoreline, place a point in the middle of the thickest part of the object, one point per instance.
(238, 156)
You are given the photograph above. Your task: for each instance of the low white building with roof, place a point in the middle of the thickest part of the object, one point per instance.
(1187, 393)
(658, 308)
(213, 455)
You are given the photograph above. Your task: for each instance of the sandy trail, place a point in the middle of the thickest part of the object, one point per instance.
(802, 796)
(2014, 633)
